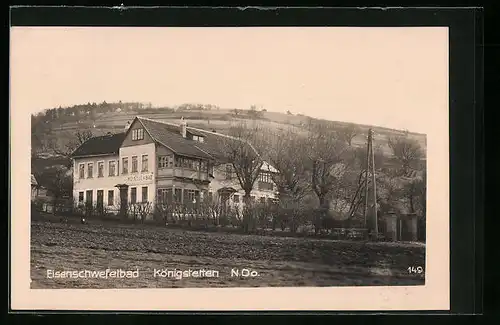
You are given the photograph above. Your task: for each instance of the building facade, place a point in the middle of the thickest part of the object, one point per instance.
(155, 162)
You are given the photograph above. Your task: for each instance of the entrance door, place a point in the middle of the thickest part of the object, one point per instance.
(88, 202)
(100, 201)
(123, 200)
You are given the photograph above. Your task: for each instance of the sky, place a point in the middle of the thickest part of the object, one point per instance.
(391, 77)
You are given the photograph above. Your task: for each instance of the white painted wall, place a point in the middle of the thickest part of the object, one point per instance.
(95, 183)
(219, 181)
(140, 179)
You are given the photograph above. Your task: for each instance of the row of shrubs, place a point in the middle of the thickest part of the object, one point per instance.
(251, 218)
(254, 218)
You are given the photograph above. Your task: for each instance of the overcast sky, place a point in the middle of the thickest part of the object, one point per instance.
(393, 77)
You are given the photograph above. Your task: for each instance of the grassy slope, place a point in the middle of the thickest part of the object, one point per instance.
(214, 119)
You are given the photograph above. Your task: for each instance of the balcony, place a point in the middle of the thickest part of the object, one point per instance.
(264, 186)
(182, 172)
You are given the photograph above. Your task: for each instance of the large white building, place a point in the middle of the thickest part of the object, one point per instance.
(155, 162)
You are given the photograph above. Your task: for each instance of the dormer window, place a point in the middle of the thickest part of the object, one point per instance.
(198, 138)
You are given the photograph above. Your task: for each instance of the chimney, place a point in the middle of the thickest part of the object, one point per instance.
(183, 127)
(127, 126)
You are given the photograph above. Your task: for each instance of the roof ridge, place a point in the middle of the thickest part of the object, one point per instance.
(189, 127)
(205, 131)
(152, 137)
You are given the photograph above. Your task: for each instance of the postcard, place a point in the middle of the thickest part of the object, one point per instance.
(253, 168)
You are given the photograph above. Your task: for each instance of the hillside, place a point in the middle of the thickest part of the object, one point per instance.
(60, 124)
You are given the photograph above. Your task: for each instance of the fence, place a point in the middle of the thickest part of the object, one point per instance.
(261, 218)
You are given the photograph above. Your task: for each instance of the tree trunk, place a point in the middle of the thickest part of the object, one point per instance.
(246, 212)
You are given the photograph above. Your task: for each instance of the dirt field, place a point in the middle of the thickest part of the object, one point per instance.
(276, 261)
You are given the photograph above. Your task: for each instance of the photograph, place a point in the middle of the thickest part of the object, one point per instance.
(256, 157)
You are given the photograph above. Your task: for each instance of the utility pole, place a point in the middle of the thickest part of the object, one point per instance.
(370, 165)
(365, 213)
(375, 220)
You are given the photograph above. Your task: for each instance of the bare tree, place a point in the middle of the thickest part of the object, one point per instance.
(326, 151)
(414, 192)
(67, 149)
(287, 154)
(239, 148)
(406, 150)
(348, 133)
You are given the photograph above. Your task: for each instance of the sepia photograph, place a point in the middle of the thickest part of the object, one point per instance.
(230, 157)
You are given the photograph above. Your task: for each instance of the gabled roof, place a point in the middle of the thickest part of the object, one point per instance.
(169, 135)
(102, 145)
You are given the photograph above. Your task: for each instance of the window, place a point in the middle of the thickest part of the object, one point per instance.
(125, 165)
(178, 162)
(198, 138)
(80, 197)
(138, 134)
(144, 164)
(134, 164)
(89, 197)
(210, 169)
(265, 186)
(90, 170)
(265, 181)
(210, 196)
(170, 161)
(100, 169)
(236, 198)
(229, 171)
(164, 195)
(133, 195)
(144, 194)
(178, 195)
(203, 166)
(100, 199)
(112, 168)
(81, 170)
(162, 161)
(111, 197)
(192, 196)
(265, 177)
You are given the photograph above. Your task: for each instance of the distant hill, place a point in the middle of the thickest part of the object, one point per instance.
(59, 124)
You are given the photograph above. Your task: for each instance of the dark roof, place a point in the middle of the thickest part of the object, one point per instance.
(169, 135)
(102, 145)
